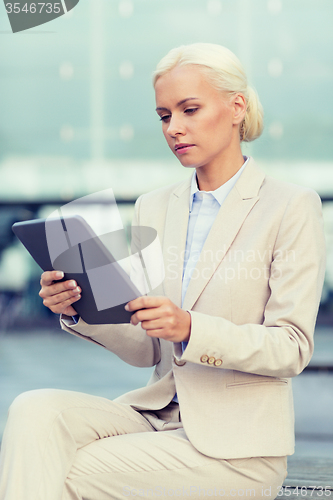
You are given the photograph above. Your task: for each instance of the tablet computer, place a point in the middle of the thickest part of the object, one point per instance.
(70, 245)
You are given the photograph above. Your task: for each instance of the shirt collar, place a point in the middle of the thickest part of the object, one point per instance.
(221, 192)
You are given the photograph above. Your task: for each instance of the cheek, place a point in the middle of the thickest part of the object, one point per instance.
(213, 123)
(222, 117)
(223, 127)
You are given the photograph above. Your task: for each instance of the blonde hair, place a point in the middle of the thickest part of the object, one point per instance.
(225, 72)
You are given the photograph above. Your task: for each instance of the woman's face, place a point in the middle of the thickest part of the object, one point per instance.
(200, 124)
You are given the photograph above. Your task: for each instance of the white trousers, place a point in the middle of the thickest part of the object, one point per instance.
(63, 445)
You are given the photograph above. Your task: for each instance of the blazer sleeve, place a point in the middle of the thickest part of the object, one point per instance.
(129, 342)
(283, 345)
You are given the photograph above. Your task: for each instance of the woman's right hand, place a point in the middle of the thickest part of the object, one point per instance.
(58, 297)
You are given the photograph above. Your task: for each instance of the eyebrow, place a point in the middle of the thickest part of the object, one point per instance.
(178, 103)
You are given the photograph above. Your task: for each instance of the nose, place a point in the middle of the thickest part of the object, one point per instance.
(175, 127)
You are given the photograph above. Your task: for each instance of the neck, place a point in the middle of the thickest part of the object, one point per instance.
(211, 177)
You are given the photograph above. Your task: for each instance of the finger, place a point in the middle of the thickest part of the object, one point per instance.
(48, 277)
(57, 288)
(59, 306)
(58, 298)
(64, 286)
(146, 314)
(62, 306)
(155, 324)
(144, 302)
(70, 311)
(158, 333)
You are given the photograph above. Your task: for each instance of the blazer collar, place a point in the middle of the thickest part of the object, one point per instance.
(239, 202)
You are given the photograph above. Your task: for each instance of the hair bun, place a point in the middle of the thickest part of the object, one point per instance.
(253, 124)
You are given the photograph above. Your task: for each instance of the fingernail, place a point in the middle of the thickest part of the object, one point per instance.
(126, 307)
(59, 274)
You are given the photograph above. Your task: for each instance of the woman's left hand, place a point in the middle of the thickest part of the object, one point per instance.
(161, 318)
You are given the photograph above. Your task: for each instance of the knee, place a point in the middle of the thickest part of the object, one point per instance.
(32, 416)
(29, 403)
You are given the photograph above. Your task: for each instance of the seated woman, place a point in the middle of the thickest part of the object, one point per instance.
(231, 324)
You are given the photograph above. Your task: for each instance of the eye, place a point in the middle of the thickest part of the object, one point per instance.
(164, 118)
(191, 111)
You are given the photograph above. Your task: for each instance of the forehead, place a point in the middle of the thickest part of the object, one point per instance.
(183, 82)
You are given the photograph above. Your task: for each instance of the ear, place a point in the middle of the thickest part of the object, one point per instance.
(239, 104)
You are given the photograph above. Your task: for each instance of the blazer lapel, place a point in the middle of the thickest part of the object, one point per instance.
(174, 240)
(227, 224)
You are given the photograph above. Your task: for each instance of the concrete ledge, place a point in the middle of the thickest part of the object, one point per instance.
(308, 478)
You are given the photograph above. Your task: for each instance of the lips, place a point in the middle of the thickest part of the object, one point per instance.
(182, 147)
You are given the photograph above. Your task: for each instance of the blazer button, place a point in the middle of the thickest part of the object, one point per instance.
(179, 362)
(211, 360)
(218, 362)
(204, 358)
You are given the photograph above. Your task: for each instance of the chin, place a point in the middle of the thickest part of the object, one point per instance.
(187, 164)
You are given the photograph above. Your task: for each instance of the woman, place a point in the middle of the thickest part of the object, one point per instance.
(232, 322)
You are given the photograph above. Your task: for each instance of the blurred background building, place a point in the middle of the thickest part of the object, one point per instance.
(77, 116)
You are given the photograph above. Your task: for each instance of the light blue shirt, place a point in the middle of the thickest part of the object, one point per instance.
(204, 206)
